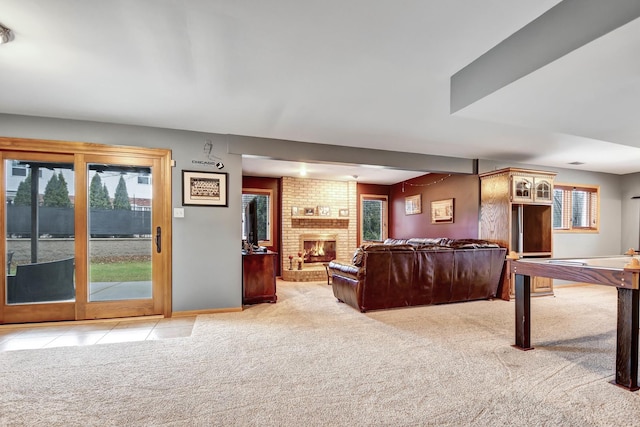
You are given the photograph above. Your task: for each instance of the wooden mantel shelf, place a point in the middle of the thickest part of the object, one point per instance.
(317, 217)
(319, 221)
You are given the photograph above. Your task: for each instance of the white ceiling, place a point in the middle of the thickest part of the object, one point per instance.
(362, 73)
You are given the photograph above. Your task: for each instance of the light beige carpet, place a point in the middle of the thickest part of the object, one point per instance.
(311, 361)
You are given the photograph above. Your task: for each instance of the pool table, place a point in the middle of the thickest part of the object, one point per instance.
(622, 272)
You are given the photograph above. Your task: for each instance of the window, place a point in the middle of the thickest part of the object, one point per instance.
(19, 171)
(265, 213)
(144, 178)
(19, 168)
(576, 208)
(373, 218)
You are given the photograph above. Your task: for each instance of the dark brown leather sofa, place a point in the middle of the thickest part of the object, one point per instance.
(402, 273)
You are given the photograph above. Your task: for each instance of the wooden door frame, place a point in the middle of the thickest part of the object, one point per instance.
(161, 216)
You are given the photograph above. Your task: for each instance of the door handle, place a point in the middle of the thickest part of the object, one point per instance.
(158, 239)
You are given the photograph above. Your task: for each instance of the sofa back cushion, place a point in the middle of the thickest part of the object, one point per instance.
(395, 242)
(381, 247)
(428, 241)
(471, 244)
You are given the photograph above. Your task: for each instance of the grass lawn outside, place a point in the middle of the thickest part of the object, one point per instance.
(125, 271)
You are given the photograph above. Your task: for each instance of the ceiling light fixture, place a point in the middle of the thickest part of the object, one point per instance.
(5, 34)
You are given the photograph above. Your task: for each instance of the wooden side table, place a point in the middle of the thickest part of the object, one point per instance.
(326, 267)
(259, 277)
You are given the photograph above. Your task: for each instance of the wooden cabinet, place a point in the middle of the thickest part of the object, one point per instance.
(259, 277)
(516, 211)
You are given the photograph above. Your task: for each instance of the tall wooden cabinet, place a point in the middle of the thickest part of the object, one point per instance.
(516, 207)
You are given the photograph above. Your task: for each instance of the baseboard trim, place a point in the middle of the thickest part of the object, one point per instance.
(191, 313)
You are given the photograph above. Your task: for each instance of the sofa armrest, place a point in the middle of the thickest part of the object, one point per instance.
(345, 269)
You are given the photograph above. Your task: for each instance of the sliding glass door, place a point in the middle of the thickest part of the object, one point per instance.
(124, 242)
(39, 236)
(86, 235)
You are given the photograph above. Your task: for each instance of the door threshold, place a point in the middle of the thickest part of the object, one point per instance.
(79, 322)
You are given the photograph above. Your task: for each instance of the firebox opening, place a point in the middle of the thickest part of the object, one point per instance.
(319, 250)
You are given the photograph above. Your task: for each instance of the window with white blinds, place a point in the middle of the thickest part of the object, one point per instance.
(576, 208)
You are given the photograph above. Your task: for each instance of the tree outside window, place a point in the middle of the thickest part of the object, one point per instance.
(373, 218)
(56, 193)
(121, 197)
(98, 194)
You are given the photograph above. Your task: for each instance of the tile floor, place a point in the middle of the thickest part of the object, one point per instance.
(21, 337)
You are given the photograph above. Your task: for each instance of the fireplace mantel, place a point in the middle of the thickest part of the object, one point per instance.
(327, 222)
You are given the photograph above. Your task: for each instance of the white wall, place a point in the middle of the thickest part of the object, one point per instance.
(207, 241)
(630, 187)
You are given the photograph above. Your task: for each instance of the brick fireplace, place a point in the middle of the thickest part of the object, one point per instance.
(335, 229)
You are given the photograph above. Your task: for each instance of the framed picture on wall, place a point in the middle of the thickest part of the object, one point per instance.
(413, 204)
(204, 188)
(442, 211)
(343, 212)
(324, 210)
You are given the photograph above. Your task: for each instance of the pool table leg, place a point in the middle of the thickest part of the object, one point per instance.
(627, 339)
(523, 312)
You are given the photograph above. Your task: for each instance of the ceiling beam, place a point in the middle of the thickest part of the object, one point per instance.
(279, 149)
(564, 28)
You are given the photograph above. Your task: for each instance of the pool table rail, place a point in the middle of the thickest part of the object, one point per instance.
(578, 271)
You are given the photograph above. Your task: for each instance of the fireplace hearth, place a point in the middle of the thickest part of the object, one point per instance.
(318, 247)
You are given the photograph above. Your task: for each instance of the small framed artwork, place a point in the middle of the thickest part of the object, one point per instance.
(295, 211)
(343, 212)
(204, 188)
(309, 211)
(324, 210)
(413, 204)
(442, 211)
